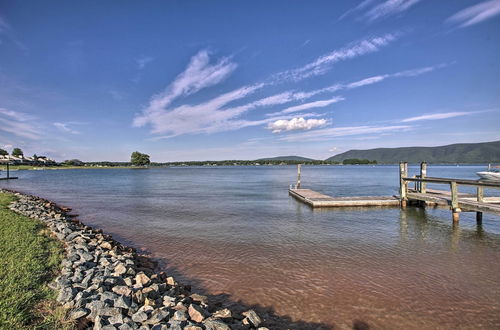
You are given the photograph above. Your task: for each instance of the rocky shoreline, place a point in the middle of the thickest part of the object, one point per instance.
(106, 285)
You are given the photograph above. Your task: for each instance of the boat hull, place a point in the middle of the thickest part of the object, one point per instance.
(491, 176)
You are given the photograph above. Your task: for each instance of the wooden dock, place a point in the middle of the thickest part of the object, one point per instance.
(315, 199)
(8, 177)
(419, 195)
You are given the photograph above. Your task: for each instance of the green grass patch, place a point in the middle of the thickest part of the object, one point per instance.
(29, 259)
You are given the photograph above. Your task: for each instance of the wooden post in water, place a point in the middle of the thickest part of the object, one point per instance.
(297, 186)
(403, 185)
(454, 202)
(8, 172)
(423, 175)
(480, 196)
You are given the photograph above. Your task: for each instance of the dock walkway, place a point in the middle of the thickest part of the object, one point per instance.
(419, 195)
(316, 199)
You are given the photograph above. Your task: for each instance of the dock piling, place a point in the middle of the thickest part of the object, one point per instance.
(403, 185)
(297, 186)
(423, 175)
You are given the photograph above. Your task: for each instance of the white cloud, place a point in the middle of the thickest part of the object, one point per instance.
(476, 14)
(367, 81)
(199, 74)
(362, 5)
(19, 116)
(295, 124)
(437, 116)
(306, 106)
(65, 128)
(330, 133)
(143, 61)
(17, 123)
(323, 63)
(19, 128)
(334, 149)
(389, 8)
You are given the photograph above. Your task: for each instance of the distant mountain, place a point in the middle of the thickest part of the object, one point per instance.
(286, 158)
(486, 152)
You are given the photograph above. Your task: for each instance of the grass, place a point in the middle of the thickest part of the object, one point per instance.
(29, 259)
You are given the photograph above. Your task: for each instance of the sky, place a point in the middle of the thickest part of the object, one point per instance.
(214, 80)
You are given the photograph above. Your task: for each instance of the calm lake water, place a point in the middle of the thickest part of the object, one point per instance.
(235, 231)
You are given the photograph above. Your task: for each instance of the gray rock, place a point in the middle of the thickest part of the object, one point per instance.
(158, 315)
(120, 269)
(139, 317)
(78, 313)
(252, 318)
(180, 316)
(123, 302)
(215, 325)
(116, 320)
(66, 294)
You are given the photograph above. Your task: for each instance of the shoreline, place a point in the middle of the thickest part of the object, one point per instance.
(104, 284)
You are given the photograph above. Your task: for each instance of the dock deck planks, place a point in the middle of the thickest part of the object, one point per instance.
(316, 199)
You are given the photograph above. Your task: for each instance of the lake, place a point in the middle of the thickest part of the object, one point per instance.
(234, 232)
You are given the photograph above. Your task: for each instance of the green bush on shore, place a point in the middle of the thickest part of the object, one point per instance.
(29, 259)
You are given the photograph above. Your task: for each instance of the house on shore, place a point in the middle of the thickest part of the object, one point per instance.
(21, 160)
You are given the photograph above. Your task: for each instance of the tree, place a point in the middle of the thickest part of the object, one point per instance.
(3, 152)
(16, 152)
(139, 159)
(73, 162)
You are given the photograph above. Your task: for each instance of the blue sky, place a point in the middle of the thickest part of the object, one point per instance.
(196, 80)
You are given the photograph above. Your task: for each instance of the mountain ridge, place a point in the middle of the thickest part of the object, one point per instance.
(483, 152)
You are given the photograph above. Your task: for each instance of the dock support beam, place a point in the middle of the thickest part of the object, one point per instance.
(403, 185)
(297, 186)
(8, 171)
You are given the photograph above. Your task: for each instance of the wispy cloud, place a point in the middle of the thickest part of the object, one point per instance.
(64, 127)
(295, 124)
(307, 106)
(323, 63)
(199, 74)
(389, 8)
(437, 116)
(118, 96)
(376, 10)
(9, 33)
(330, 133)
(19, 128)
(293, 96)
(143, 61)
(476, 14)
(362, 5)
(19, 116)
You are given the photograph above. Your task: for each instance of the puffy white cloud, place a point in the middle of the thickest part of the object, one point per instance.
(295, 124)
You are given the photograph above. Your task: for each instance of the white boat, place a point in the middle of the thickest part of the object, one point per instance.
(492, 174)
